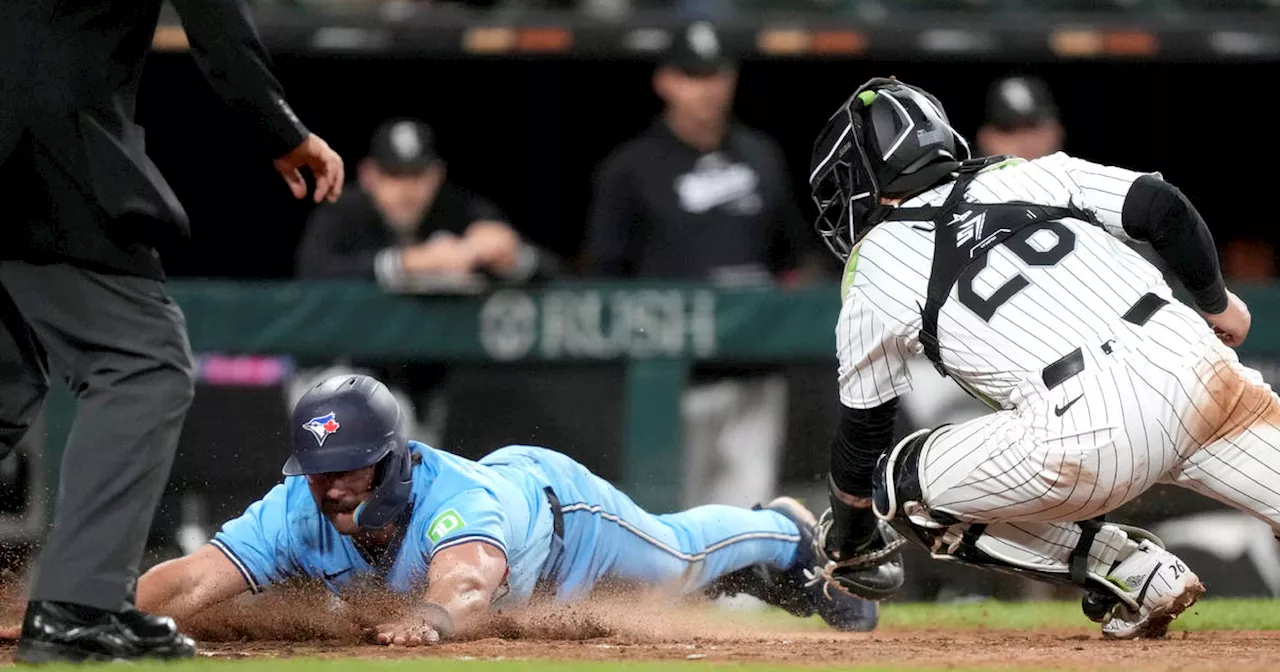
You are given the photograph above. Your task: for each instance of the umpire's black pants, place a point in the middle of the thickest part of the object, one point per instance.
(121, 346)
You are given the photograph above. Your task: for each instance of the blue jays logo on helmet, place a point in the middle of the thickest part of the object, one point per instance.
(321, 427)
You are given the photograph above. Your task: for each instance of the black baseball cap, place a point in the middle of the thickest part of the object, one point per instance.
(1019, 102)
(403, 146)
(697, 51)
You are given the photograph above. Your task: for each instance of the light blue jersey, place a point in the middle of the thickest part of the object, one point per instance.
(593, 531)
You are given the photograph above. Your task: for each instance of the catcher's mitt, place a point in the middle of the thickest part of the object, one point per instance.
(875, 573)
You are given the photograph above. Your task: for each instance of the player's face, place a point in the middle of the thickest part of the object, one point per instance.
(339, 493)
(705, 99)
(402, 199)
(1029, 143)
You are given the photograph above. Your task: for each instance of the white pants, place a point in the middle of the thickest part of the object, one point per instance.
(734, 430)
(1170, 404)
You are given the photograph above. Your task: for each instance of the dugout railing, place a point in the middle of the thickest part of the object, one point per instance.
(655, 332)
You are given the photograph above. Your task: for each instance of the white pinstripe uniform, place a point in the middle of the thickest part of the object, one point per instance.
(1164, 401)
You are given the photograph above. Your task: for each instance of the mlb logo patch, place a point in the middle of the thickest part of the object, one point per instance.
(322, 427)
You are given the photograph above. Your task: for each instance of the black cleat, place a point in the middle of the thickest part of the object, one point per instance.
(57, 632)
(794, 590)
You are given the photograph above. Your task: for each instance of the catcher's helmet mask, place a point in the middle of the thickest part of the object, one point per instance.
(350, 422)
(913, 147)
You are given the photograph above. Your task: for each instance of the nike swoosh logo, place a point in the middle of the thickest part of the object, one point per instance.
(1059, 410)
(334, 575)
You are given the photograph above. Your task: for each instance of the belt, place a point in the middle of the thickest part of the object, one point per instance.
(557, 514)
(1072, 363)
(545, 586)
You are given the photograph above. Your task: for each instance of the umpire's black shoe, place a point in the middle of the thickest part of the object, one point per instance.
(57, 632)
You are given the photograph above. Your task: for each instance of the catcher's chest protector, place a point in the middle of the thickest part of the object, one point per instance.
(964, 233)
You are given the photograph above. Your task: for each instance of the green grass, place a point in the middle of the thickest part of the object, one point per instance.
(1208, 614)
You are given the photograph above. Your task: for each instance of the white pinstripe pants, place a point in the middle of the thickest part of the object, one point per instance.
(1182, 411)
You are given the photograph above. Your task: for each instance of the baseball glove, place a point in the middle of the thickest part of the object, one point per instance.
(875, 572)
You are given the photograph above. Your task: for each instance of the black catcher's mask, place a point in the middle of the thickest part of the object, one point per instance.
(889, 139)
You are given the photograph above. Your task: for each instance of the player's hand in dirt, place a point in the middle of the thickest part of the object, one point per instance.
(1232, 324)
(10, 633)
(406, 633)
(325, 164)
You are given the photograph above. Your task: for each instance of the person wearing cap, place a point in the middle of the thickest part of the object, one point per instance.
(407, 227)
(406, 220)
(700, 196)
(1021, 119)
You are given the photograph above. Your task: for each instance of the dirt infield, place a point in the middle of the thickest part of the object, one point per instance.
(1237, 652)
(304, 623)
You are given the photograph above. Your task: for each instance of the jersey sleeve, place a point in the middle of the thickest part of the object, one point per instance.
(257, 542)
(1096, 188)
(873, 359)
(471, 516)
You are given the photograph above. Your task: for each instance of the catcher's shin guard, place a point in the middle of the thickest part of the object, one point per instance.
(1087, 554)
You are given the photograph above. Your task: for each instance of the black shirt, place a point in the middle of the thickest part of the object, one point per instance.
(344, 239)
(663, 209)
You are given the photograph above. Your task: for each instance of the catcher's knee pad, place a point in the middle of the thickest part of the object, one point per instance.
(896, 493)
(896, 480)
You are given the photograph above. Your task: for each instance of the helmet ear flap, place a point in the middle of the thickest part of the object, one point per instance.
(392, 485)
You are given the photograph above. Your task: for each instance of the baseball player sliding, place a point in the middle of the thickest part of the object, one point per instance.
(1013, 279)
(362, 503)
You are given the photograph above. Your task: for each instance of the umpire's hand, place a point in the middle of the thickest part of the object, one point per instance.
(325, 165)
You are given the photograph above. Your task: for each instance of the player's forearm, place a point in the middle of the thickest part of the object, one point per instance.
(864, 435)
(185, 586)
(1159, 213)
(465, 597)
(168, 589)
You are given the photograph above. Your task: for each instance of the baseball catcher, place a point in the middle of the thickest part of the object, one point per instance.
(360, 503)
(1014, 279)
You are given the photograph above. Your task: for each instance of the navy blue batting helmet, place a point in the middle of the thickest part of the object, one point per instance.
(350, 422)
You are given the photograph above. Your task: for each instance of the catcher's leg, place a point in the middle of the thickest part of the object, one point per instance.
(1235, 417)
(1136, 587)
